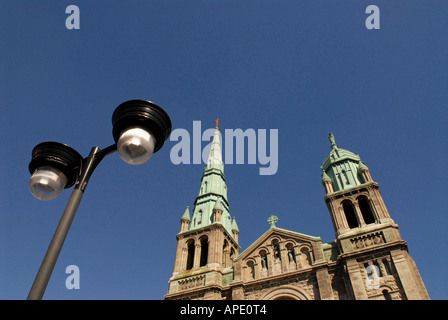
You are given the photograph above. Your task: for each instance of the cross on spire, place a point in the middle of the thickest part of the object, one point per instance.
(272, 220)
(216, 121)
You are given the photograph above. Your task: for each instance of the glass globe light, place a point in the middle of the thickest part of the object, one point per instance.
(136, 145)
(47, 183)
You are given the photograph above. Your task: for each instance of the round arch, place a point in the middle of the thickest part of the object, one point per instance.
(286, 293)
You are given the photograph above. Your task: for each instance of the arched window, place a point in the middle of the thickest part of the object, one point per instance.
(366, 210)
(232, 256)
(225, 254)
(264, 259)
(204, 252)
(377, 269)
(350, 215)
(276, 248)
(250, 270)
(291, 254)
(305, 257)
(387, 267)
(200, 216)
(190, 254)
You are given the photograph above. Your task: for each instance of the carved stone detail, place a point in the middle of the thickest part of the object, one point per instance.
(367, 240)
(191, 282)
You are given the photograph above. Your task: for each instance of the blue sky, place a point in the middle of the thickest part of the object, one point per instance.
(302, 67)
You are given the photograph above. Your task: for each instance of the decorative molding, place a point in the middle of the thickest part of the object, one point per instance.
(191, 282)
(367, 240)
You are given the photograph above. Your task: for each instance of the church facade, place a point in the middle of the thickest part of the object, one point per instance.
(367, 260)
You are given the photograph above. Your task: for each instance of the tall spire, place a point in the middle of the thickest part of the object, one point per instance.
(213, 187)
(208, 241)
(215, 155)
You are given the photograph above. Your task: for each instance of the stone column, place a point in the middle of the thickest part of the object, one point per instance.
(358, 213)
(284, 257)
(258, 266)
(197, 254)
(298, 256)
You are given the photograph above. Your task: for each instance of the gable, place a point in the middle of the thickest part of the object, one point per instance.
(282, 236)
(278, 251)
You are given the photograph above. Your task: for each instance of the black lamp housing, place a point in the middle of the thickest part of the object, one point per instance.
(59, 156)
(142, 114)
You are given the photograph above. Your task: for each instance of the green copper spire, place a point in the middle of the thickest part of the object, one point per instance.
(213, 187)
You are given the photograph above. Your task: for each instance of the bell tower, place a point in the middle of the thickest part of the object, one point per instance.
(369, 242)
(208, 239)
(353, 198)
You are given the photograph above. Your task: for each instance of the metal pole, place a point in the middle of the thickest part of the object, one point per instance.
(46, 268)
(49, 261)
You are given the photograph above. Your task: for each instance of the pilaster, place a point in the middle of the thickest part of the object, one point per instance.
(356, 281)
(405, 274)
(324, 284)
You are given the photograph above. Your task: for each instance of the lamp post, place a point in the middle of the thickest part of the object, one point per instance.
(140, 128)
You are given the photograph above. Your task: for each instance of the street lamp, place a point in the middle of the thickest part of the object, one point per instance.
(140, 128)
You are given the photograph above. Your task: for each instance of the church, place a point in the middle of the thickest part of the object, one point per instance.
(368, 260)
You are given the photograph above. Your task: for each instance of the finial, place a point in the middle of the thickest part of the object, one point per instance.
(186, 215)
(272, 220)
(332, 141)
(216, 121)
(218, 205)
